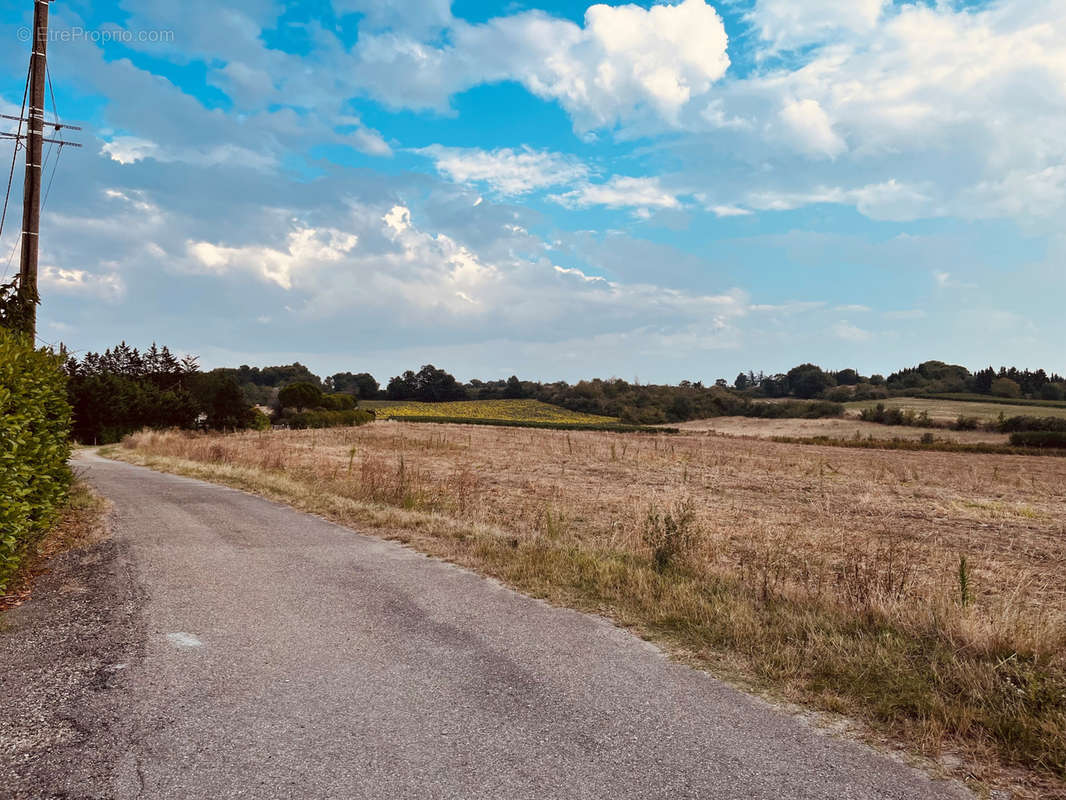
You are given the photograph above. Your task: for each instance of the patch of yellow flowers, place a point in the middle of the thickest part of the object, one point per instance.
(516, 410)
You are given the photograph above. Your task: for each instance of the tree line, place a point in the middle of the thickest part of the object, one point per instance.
(123, 389)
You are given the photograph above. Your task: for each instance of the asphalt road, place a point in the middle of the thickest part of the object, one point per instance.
(282, 656)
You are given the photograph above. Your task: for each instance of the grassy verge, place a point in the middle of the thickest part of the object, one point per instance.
(940, 667)
(606, 427)
(985, 398)
(981, 448)
(80, 524)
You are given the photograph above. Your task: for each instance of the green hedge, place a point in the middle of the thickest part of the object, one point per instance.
(1019, 424)
(34, 447)
(1042, 439)
(327, 419)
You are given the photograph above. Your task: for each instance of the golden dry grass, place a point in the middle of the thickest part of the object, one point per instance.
(829, 577)
(847, 428)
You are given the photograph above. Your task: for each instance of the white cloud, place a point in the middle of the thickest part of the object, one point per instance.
(729, 211)
(810, 128)
(620, 192)
(890, 200)
(306, 249)
(108, 286)
(851, 333)
(792, 23)
(369, 141)
(506, 171)
(946, 280)
(131, 149)
(937, 109)
(624, 61)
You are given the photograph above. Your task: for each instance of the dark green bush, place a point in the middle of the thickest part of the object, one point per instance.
(300, 396)
(338, 402)
(897, 416)
(1041, 439)
(327, 419)
(34, 446)
(1025, 423)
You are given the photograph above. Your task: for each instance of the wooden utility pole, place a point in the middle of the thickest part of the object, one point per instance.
(31, 198)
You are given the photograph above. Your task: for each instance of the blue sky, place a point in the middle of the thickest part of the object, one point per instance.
(652, 191)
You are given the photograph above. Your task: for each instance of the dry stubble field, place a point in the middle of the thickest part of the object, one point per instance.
(921, 593)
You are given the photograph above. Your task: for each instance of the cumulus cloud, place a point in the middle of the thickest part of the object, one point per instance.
(787, 23)
(306, 249)
(623, 61)
(505, 170)
(807, 124)
(107, 286)
(620, 192)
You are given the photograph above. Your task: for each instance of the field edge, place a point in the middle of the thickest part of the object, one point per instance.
(490, 553)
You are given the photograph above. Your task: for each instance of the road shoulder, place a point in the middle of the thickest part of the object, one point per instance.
(64, 657)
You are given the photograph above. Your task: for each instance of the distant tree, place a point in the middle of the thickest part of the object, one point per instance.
(429, 385)
(742, 382)
(222, 401)
(983, 380)
(1005, 387)
(877, 380)
(437, 386)
(1053, 391)
(513, 389)
(680, 409)
(809, 380)
(362, 385)
(774, 386)
(300, 396)
(190, 365)
(848, 377)
(402, 387)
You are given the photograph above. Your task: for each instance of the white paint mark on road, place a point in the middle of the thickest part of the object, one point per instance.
(184, 640)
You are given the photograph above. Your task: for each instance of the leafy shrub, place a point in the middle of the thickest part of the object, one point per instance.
(300, 396)
(260, 421)
(338, 402)
(1005, 387)
(34, 430)
(792, 409)
(1025, 423)
(327, 419)
(964, 423)
(896, 416)
(840, 394)
(1041, 439)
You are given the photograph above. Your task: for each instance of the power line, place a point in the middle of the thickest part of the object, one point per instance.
(14, 156)
(55, 166)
